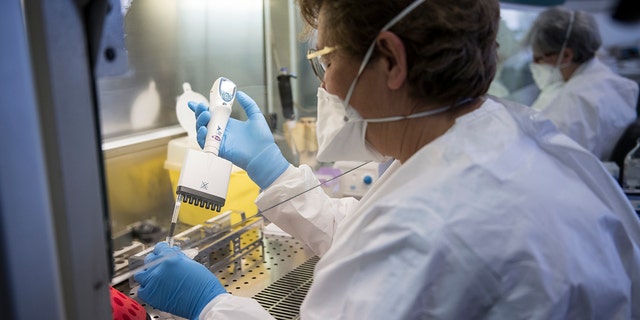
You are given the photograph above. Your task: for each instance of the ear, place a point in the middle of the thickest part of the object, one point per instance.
(394, 58)
(567, 56)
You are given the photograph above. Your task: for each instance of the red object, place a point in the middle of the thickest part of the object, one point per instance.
(125, 308)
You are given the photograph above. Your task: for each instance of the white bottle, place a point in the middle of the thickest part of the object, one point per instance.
(631, 173)
(185, 116)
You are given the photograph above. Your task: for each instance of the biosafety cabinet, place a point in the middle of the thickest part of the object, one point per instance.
(88, 95)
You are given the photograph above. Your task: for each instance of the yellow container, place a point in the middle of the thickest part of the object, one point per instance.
(241, 195)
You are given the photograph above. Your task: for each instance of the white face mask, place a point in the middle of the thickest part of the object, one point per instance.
(341, 136)
(341, 130)
(545, 75)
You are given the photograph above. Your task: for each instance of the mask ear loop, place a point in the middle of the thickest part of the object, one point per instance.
(566, 39)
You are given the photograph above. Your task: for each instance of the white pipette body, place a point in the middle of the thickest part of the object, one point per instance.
(221, 97)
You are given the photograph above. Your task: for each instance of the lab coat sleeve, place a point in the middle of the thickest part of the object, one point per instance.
(230, 307)
(305, 212)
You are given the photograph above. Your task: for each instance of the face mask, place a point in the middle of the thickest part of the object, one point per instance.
(545, 75)
(340, 129)
(341, 136)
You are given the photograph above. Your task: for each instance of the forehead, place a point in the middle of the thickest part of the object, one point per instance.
(539, 53)
(536, 50)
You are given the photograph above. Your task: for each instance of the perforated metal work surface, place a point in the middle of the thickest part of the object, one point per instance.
(257, 271)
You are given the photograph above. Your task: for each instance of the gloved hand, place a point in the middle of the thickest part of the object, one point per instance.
(177, 285)
(247, 144)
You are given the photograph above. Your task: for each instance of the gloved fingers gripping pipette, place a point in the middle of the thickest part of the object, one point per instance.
(204, 178)
(253, 146)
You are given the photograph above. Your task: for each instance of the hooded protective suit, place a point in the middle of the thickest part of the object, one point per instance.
(501, 217)
(593, 107)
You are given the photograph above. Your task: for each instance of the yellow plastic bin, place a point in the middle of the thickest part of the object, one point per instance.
(240, 196)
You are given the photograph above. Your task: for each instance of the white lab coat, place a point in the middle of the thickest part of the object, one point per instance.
(593, 108)
(501, 218)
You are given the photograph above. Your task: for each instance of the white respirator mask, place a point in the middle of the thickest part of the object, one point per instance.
(341, 130)
(545, 75)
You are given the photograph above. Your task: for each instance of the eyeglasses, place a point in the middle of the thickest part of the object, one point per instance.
(315, 60)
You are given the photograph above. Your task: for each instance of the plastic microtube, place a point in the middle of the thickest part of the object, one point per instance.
(174, 220)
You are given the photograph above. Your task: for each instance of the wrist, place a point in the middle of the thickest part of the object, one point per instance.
(267, 166)
(207, 299)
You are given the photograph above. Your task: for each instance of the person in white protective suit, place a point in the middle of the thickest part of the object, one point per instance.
(578, 93)
(487, 212)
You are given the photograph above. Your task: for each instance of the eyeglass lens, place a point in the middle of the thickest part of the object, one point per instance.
(318, 68)
(316, 65)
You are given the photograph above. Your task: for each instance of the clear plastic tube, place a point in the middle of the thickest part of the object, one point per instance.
(174, 220)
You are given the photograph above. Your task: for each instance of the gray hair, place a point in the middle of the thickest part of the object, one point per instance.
(550, 28)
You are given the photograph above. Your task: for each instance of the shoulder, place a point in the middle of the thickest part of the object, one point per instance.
(597, 79)
(595, 91)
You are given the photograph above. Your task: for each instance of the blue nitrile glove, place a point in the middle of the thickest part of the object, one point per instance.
(177, 285)
(247, 144)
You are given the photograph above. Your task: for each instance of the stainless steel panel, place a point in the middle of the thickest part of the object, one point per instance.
(174, 41)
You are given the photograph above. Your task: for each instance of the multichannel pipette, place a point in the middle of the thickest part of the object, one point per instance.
(204, 178)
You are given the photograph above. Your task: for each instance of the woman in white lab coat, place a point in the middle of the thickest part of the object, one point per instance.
(487, 211)
(579, 94)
